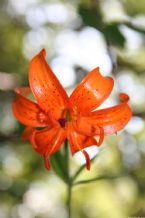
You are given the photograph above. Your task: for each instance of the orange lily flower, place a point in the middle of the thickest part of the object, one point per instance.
(62, 117)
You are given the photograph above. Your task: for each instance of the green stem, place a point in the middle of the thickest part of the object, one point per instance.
(105, 177)
(66, 157)
(69, 195)
(69, 180)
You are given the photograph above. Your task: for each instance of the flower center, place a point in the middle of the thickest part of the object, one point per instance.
(65, 119)
(62, 122)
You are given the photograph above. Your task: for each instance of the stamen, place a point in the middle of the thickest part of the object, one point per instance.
(46, 162)
(88, 161)
(42, 117)
(101, 136)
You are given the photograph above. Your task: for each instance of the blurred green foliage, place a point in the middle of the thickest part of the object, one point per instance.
(26, 188)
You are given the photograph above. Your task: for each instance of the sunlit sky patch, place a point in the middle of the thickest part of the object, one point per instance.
(139, 21)
(134, 88)
(135, 125)
(64, 71)
(44, 37)
(42, 199)
(115, 9)
(12, 165)
(131, 155)
(85, 48)
(21, 7)
(134, 40)
(56, 13)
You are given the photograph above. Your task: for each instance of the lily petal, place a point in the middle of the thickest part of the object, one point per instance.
(48, 140)
(79, 141)
(48, 91)
(110, 119)
(27, 133)
(28, 112)
(92, 91)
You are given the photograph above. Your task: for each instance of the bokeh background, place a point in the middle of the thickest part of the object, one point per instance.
(78, 36)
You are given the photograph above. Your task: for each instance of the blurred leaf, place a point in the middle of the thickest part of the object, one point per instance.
(113, 34)
(12, 32)
(11, 37)
(91, 16)
(58, 165)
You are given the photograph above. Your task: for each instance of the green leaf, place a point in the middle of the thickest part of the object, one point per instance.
(58, 165)
(113, 34)
(105, 177)
(91, 16)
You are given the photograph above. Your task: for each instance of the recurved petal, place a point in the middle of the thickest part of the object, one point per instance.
(92, 91)
(48, 141)
(27, 133)
(110, 119)
(79, 141)
(46, 88)
(28, 112)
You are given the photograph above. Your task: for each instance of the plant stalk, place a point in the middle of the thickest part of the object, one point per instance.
(69, 180)
(69, 195)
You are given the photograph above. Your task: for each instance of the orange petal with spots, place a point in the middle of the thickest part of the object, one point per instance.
(48, 140)
(28, 112)
(27, 133)
(48, 91)
(79, 141)
(91, 92)
(110, 119)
